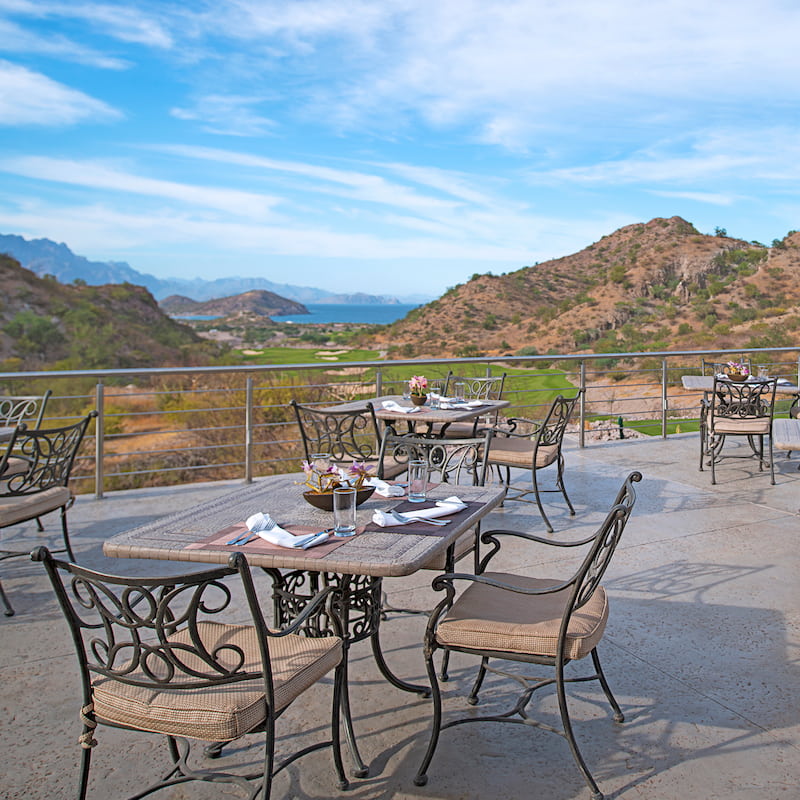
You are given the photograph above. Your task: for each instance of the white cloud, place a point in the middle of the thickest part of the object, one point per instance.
(15, 39)
(96, 175)
(700, 197)
(231, 115)
(30, 98)
(117, 20)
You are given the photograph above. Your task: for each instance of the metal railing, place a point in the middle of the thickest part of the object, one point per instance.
(181, 424)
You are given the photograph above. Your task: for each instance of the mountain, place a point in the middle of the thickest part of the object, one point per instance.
(650, 286)
(257, 302)
(45, 257)
(44, 323)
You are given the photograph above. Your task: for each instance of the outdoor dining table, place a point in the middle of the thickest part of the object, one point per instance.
(355, 565)
(434, 418)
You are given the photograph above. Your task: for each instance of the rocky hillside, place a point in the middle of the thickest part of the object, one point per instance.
(258, 302)
(658, 285)
(44, 323)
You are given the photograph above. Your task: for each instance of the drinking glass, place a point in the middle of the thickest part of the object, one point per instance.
(344, 511)
(417, 480)
(321, 461)
(460, 389)
(434, 394)
(406, 391)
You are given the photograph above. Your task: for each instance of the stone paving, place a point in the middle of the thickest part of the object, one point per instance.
(701, 651)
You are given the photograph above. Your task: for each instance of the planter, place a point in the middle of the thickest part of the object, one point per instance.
(737, 377)
(325, 501)
(419, 399)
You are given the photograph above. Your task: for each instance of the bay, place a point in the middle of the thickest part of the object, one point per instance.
(372, 314)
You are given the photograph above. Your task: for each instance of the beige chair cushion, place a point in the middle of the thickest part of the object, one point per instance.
(488, 618)
(221, 713)
(464, 544)
(15, 466)
(753, 426)
(519, 453)
(27, 506)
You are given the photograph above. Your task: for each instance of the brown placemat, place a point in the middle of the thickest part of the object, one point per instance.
(422, 528)
(217, 541)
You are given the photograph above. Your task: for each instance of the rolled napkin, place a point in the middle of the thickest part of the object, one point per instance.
(385, 489)
(784, 382)
(451, 505)
(262, 525)
(391, 405)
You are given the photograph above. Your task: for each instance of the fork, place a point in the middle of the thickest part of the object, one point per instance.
(248, 536)
(406, 520)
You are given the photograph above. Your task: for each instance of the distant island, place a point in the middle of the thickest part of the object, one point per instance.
(259, 302)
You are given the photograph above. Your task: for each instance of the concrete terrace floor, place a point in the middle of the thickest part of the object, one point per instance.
(701, 651)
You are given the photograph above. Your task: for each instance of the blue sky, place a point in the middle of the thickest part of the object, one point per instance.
(391, 146)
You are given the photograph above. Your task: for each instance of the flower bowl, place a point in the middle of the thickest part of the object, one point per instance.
(419, 399)
(324, 501)
(737, 377)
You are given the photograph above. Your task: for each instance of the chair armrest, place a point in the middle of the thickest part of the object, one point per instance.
(320, 598)
(490, 538)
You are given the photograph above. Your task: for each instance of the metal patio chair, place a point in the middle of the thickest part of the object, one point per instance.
(346, 436)
(34, 477)
(738, 409)
(544, 621)
(14, 410)
(483, 388)
(154, 656)
(533, 445)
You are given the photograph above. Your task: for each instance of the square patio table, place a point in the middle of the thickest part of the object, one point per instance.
(443, 417)
(356, 565)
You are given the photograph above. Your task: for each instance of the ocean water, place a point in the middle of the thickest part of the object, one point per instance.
(341, 312)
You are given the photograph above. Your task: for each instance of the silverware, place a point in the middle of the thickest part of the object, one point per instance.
(248, 536)
(408, 520)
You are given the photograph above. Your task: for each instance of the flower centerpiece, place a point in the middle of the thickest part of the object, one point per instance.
(418, 386)
(737, 371)
(322, 480)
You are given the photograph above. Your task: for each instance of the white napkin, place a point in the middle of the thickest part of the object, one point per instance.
(391, 405)
(277, 535)
(443, 508)
(385, 489)
(784, 382)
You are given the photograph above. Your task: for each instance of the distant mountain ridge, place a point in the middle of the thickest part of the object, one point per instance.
(660, 285)
(45, 257)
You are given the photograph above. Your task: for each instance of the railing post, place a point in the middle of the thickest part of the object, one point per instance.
(379, 384)
(99, 441)
(582, 405)
(248, 430)
(664, 398)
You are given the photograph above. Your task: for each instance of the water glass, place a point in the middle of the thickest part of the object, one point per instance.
(459, 394)
(763, 372)
(344, 511)
(321, 461)
(417, 480)
(406, 391)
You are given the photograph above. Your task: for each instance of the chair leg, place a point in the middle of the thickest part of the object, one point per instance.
(9, 612)
(570, 736)
(560, 484)
(436, 723)
(65, 533)
(476, 687)
(39, 525)
(83, 780)
(618, 715)
(336, 736)
(539, 503)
